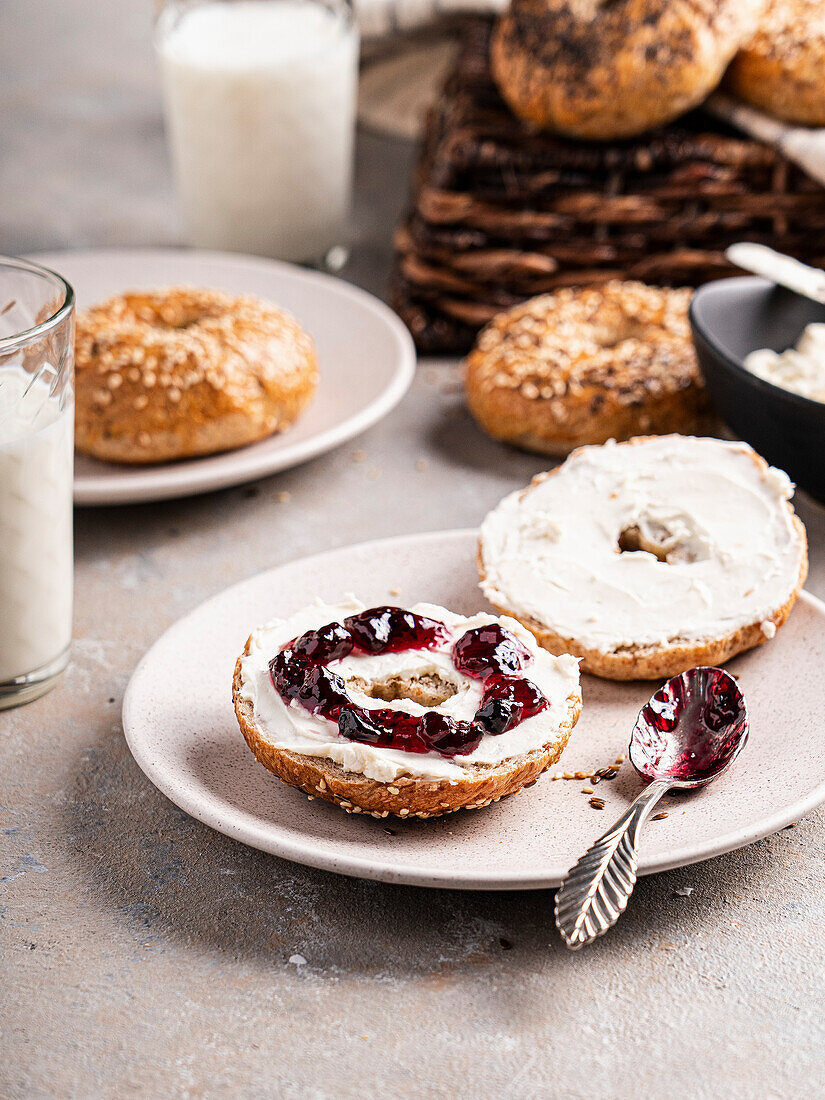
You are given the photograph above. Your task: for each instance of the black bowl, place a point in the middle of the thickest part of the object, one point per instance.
(731, 318)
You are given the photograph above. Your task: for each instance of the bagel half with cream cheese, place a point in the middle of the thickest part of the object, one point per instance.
(649, 557)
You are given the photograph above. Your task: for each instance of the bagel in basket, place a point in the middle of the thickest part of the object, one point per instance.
(781, 69)
(608, 69)
(413, 712)
(648, 557)
(169, 374)
(587, 365)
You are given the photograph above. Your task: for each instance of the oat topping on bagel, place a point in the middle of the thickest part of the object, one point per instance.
(172, 373)
(585, 365)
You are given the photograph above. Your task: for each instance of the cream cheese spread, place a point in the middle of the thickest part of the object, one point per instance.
(800, 369)
(290, 726)
(668, 540)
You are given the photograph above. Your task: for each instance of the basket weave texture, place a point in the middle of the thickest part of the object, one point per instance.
(502, 212)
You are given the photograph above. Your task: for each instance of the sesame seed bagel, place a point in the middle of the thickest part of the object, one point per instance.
(649, 557)
(608, 69)
(586, 365)
(173, 373)
(309, 751)
(781, 69)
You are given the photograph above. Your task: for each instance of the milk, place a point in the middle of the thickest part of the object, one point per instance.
(36, 454)
(260, 112)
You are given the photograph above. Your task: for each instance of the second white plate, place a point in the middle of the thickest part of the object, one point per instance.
(182, 731)
(366, 356)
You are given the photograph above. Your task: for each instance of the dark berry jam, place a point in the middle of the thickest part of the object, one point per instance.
(489, 650)
(332, 642)
(450, 737)
(386, 728)
(392, 629)
(314, 686)
(300, 673)
(508, 700)
(395, 729)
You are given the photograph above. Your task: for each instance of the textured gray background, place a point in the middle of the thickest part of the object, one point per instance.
(143, 954)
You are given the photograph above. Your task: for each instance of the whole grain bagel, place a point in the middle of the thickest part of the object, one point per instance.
(608, 69)
(781, 69)
(648, 557)
(169, 374)
(587, 365)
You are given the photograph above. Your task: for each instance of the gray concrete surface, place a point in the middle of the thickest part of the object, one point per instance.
(143, 954)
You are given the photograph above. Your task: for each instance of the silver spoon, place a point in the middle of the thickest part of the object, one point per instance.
(686, 735)
(778, 268)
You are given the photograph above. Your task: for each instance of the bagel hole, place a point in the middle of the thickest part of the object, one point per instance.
(631, 541)
(662, 543)
(429, 690)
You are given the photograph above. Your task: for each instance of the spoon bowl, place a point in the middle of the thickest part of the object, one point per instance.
(691, 729)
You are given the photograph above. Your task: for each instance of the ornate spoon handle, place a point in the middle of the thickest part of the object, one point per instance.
(595, 892)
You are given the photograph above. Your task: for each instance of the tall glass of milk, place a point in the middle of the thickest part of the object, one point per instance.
(36, 457)
(260, 115)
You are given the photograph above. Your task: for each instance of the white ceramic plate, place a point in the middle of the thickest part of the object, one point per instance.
(181, 728)
(366, 357)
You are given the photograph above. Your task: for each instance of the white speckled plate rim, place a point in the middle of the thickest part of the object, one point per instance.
(375, 864)
(116, 270)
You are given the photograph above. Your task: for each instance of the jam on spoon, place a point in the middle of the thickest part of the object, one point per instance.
(689, 732)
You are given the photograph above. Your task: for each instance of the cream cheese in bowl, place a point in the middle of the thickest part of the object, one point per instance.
(800, 369)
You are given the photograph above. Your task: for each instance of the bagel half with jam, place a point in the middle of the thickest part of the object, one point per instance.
(412, 712)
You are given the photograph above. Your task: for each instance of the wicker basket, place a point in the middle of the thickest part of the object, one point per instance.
(502, 212)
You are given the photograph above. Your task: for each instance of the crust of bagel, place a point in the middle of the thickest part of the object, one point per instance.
(148, 389)
(657, 662)
(781, 69)
(602, 75)
(529, 423)
(656, 394)
(406, 796)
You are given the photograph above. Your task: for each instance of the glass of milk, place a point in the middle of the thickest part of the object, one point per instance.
(260, 114)
(36, 457)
